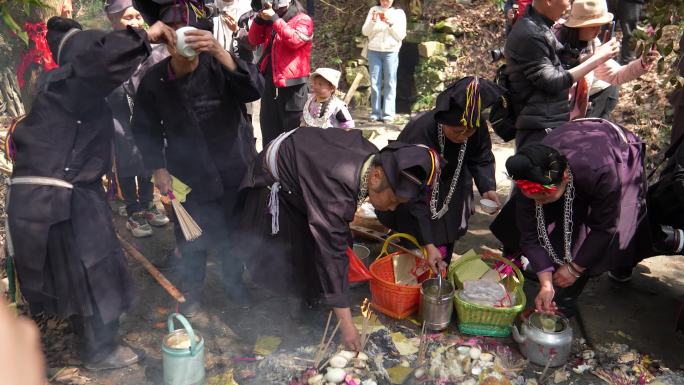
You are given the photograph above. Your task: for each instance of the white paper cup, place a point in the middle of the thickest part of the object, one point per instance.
(181, 46)
(489, 206)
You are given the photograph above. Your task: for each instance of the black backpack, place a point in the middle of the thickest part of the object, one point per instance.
(502, 116)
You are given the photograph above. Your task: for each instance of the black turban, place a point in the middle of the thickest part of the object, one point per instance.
(408, 168)
(451, 103)
(537, 163)
(175, 12)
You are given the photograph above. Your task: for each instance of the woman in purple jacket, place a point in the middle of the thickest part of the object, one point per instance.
(581, 210)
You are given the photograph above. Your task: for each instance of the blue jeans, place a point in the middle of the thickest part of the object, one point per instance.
(383, 74)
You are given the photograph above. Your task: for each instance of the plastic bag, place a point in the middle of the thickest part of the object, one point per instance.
(358, 272)
(486, 293)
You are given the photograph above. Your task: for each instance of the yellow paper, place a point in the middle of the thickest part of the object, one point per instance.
(398, 374)
(180, 189)
(405, 346)
(373, 324)
(266, 345)
(226, 378)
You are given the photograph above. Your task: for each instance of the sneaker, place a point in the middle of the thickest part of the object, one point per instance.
(620, 276)
(138, 225)
(121, 357)
(122, 211)
(156, 217)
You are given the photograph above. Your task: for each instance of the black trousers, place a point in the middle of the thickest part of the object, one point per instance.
(603, 103)
(628, 14)
(281, 109)
(96, 340)
(137, 197)
(217, 233)
(525, 137)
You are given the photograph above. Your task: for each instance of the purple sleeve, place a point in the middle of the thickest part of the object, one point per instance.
(343, 119)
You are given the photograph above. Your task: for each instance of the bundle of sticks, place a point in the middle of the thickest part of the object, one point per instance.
(422, 346)
(323, 346)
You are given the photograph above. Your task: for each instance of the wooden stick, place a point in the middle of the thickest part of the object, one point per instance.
(327, 345)
(317, 357)
(154, 272)
(352, 89)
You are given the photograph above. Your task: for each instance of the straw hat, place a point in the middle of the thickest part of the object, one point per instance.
(589, 13)
(329, 74)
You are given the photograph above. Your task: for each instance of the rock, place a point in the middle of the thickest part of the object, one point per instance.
(449, 39)
(449, 25)
(428, 49)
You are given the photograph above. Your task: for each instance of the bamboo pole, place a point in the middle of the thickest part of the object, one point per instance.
(352, 89)
(154, 272)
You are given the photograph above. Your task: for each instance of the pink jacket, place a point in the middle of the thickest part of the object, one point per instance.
(291, 51)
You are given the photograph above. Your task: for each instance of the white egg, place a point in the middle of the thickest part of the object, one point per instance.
(362, 356)
(315, 380)
(335, 375)
(476, 370)
(420, 372)
(181, 46)
(347, 354)
(486, 357)
(338, 361)
(463, 350)
(475, 353)
(369, 382)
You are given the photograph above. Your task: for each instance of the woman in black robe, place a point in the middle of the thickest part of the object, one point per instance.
(458, 132)
(311, 180)
(62, 239)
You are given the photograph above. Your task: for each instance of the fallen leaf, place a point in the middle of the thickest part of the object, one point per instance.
(405, 346)
(398, 374)
(226, 378)
(266, 345)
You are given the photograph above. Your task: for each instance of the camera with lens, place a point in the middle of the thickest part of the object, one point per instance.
(497, 54)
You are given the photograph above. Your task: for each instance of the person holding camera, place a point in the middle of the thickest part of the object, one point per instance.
(285, 32)
(596, 94)
(385, 27)
(538, 83)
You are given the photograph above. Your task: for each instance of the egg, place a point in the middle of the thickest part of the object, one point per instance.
(347, 354)
(463, 350)
(475, 353)
(335, 375)
(420, 372)
(362, 356)
(486, 357)
(315, 380)
(338, 361)
(476, 370)
(181, 46)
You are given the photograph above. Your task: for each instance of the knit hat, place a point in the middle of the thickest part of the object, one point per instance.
(329, 74)
(115, 6)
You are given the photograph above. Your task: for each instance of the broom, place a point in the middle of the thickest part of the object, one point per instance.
(189, 227)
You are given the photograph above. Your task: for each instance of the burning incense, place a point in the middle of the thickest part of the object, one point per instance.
(422, 346)
(327, 345)
(317, 358)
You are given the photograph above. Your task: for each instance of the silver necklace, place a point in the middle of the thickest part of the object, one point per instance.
(323, 117)
(543, 234)
(363, 186)
(454, 180)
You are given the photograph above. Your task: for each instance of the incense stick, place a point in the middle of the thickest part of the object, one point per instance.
(327, 345)
(317, 357)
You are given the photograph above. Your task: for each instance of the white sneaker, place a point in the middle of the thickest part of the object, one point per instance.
(138, 225)
(156, 217)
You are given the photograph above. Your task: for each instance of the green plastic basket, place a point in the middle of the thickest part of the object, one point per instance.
(486, 320)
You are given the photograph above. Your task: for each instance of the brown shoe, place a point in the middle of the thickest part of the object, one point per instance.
(121, 357)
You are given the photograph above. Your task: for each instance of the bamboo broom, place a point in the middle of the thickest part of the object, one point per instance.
(189, 227)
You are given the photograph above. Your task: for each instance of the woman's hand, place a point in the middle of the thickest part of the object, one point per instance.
(566, 275)
(649, 58)
(435, 259)
(162, 180)
(544, 303)
(493, 196)
(230, 21)
(350, 335)
(267, 13)
(161, 33)
(203, 41)
(607, 50)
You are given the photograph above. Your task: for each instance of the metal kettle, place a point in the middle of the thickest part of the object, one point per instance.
(544, 339)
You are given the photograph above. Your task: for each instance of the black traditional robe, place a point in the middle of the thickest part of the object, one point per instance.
(195, 126)
(478, 164)
(68, 259)
(320, 176)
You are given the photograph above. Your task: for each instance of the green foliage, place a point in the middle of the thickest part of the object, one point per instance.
(7, 9)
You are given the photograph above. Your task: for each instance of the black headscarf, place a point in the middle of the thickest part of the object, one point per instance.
(537, 163)
(409, 168)
(471, 93)
(67, 39)
(175, 12)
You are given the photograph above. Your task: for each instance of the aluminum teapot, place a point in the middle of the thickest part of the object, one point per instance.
(544, 339)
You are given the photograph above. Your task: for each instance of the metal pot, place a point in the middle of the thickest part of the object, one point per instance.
(182, 354)
(436, 303)
(543, 344)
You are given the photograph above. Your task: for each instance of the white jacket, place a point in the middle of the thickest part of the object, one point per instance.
(381, 36)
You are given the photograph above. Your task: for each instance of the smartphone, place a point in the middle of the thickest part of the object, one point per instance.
(609, 32)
